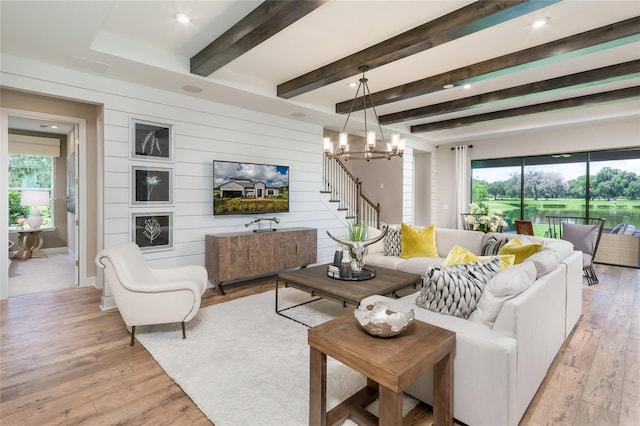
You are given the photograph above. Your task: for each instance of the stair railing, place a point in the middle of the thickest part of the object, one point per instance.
(346, 189)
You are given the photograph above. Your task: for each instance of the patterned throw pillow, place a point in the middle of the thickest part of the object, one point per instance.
(393, 242)
(493, 245)
(455, 290)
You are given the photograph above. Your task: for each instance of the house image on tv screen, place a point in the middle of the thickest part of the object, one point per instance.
(247, 188)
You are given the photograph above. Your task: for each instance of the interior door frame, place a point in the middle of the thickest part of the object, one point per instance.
(81, 198)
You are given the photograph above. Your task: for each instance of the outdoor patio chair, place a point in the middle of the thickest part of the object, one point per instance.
(584, 233)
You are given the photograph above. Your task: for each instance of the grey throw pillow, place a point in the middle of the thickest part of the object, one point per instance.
(393, 242)
(583, 237)
(456, 289)
(493, 245)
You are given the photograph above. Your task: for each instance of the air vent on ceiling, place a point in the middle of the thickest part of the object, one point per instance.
(88, 64)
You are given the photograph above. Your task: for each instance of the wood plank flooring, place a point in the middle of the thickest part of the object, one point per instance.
(63, 361)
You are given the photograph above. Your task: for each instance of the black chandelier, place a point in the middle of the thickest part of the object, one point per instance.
(391, 148)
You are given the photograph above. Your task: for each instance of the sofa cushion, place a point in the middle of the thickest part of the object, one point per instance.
(419, 265)
(379, 259)
(544, 261)
(455, 290)
(522, 251)
(375, 247)
(618, 229)
(502, 287)
(492, 246)
(446, 239)
(420, 243)
(392, 242)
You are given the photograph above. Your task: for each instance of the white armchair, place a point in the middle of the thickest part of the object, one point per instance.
(146, 295)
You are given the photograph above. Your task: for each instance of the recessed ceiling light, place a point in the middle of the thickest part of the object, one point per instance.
(467, 86)
(298, 114)
(53, 126)
(539, 23)
(353, 84)
(191, 89)
(448, 86)
(181, 17)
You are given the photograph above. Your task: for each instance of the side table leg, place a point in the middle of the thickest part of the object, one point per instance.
(443, 392)
(37, 245)
(390, 407)
(317, 388)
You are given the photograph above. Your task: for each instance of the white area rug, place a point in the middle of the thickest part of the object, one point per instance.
(244, 365)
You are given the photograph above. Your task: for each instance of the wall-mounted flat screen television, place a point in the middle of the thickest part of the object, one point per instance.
(249, 188)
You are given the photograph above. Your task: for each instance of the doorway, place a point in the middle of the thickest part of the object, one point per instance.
(60, 265)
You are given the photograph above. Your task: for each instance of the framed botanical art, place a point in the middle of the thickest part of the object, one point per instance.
(152, 231)
(151, 141)
(151, 186)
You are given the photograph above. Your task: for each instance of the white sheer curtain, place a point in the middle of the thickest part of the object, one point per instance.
(463, 182)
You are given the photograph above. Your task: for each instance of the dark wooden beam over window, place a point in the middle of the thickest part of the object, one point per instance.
(597, 76)
(467, 20)
(271, 17)
(611, 96)
(621, 32)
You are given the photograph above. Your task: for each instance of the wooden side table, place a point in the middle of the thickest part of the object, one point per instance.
(28, 250)
(390, 365)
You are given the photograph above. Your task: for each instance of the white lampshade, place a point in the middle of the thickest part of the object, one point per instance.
(34, 198)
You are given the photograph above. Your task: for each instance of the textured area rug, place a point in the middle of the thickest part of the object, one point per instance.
(243, 364)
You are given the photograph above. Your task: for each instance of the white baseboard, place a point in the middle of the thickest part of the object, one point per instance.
(107, 302)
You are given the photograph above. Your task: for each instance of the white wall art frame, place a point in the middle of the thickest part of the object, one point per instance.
(152, 231)
(151, 140)
(151, 186)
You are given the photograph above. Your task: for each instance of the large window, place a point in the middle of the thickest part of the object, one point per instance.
(594, 184)
(27, 172)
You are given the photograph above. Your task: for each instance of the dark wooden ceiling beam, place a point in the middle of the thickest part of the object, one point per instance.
(597, 76)
(600, 38)
(467, 20)
(598, 98)
(271, 17)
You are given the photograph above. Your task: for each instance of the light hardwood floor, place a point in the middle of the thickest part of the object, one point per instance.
(63, 361)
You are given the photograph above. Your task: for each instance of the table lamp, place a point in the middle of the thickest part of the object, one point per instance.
(34, 198)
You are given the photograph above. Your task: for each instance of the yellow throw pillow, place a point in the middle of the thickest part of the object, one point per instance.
(418, 243)
(458, 255)
(521, 251)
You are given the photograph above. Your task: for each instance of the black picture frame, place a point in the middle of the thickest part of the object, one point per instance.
(152, 231)
(151, 186)
(151, 140)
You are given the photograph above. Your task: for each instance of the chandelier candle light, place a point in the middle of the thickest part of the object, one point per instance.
(393, 148)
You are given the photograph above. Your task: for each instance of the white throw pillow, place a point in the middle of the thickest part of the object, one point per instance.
(505, 285)
(375, 247)
(545, 261)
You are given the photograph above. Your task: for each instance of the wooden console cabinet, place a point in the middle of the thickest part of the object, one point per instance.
(236, 255)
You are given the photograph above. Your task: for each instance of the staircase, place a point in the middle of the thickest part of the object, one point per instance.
(346, 190)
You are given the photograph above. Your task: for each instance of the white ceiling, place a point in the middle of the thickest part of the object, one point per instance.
(141, 42)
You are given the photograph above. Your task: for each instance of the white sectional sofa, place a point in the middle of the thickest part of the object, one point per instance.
(498, 369)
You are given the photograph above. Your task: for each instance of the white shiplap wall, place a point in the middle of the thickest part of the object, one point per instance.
(203, 131)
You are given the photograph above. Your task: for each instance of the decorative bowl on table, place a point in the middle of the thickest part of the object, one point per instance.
(380, 321)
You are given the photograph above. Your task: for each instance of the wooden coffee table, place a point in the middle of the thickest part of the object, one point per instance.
(315, 281)
(390, 365)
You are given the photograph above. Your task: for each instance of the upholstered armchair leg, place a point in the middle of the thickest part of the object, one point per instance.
(184, 333)
(133, 334)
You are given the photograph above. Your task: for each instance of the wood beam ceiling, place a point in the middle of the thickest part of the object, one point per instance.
(597, 76)
(600, 38)
(269, 18)
(611, 96)
(467, 20)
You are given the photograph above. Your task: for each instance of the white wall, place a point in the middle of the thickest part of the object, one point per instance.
(609, 134)
(204, 131)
